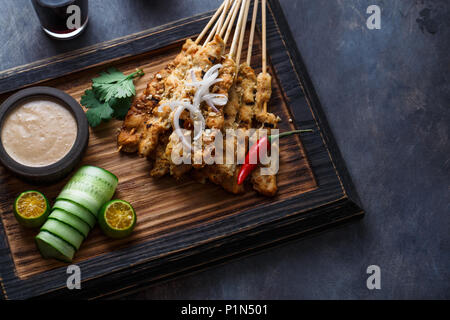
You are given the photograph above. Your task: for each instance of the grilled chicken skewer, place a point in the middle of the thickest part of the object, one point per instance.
(147, 128)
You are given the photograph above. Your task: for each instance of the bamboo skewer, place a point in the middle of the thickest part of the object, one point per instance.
(214, 17)
(264, 43)
(238, 28)
(223, 15)
(231, 23)
(264, 40)
(252, 32)
(227, 20)
(242, 34)
(211, 34)
(217, 27)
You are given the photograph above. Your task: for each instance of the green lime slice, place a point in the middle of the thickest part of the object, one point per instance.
(117, 219)
(31, 209)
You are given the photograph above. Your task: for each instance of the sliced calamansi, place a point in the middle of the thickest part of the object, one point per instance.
(117, 219)
(31, 209)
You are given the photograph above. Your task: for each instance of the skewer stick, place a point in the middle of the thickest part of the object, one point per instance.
(213, 18)
(238, 28)
(264, 44)
(264, 40)
(252, 32)
(211, 34)
(216, 27)
(230, 25)
(265, 107)
(227, 20)
(242, 35)
(223, 15)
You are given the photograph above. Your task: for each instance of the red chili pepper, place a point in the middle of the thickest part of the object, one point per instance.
(253, 153)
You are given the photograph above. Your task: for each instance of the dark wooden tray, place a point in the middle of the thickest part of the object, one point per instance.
(184, 226)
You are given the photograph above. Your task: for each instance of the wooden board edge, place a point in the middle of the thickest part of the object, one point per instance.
(213, 254)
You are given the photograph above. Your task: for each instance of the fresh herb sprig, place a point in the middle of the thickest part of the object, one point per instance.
(110, 97)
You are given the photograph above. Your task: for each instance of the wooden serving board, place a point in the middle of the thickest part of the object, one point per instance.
(182, 226)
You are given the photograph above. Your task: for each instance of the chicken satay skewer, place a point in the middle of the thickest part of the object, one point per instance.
(252, 32)
(210, 23)
(264, 79)
(264, 43)
(242, 35)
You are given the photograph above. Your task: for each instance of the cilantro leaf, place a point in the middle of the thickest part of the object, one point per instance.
(112, 75)
(111, 96)
(89, 100)
(120, 107)
(97, 111)
(114, 84)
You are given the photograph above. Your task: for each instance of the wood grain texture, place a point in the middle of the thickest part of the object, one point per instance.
(181, 231)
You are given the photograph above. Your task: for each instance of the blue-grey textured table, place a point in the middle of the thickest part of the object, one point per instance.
(386, 94)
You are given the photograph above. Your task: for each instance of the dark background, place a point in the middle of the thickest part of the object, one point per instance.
(386, 95)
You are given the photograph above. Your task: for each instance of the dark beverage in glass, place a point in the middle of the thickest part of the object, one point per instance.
(62, 19)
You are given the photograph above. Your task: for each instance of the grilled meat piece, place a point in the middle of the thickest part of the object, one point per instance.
(139, 114)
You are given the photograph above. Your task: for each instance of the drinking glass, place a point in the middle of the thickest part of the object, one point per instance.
(62, 19)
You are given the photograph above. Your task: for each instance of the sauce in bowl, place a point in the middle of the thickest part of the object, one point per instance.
(44, 133)
(39, 132)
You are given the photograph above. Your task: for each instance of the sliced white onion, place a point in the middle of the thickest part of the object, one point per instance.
(202, 94)
(178, 131)
(217, 99)
(212, 70)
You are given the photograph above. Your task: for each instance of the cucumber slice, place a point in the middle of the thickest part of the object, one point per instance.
(51, 246)
(72, 221)
(90, 188)
(76, 210)
(64, 232)
(93, 170)
(84, 199)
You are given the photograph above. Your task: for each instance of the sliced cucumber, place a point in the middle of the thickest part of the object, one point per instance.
(76, 210)
(51, 246)
(64, 232)
(84, 199)
(90, 187)
(72, 221)
(97, 171)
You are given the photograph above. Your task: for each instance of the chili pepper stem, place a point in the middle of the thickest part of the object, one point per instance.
(284, 134)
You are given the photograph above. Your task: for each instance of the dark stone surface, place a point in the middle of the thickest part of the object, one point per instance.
(386, 95)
